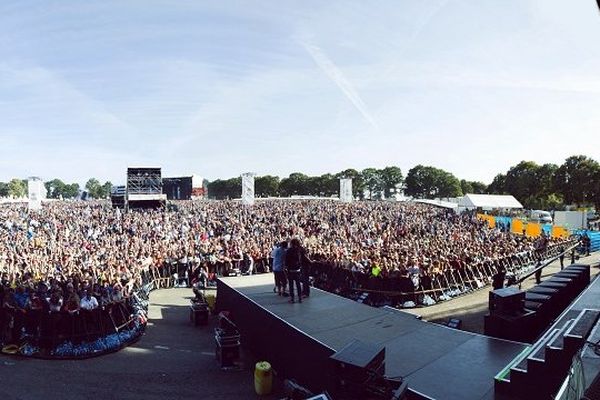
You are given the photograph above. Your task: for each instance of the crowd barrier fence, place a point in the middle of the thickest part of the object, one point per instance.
(456, 282)
(83, 333)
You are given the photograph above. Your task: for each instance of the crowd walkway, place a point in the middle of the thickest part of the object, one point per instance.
(172, 360)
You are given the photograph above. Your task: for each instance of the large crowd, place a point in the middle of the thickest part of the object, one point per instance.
(73, 255)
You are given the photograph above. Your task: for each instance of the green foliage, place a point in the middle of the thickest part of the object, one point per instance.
(466, 187)
(106, 188)
(266, 186)
(296, 184)
(373, 182)
(577, 179)
(429, 182)
(96, 190)
(3, 189)
(521, 182)
(392, 179)
(498, 185)
(17, 188)
(225, 189)
(71, 191)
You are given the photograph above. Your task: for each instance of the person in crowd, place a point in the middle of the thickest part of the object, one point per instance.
(88, 302)
(498, 278)
(586, 243)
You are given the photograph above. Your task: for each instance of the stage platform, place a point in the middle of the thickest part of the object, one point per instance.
(438, 362)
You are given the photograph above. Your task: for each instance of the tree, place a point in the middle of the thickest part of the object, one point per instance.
(373, 180)
(16, 188)
(478, 187)
(3, 189)
(574, 178)
(71, 191)
(498, 185)
(448, 185)
(595, 184)
(325, 185)
(106, 188)
(54, 188)
(522, 182)
(295, 184)
(216, 189)
(392, 179)
(429, 182)
(94, 188)
(328, 185)
(466, 186)
(266, 186)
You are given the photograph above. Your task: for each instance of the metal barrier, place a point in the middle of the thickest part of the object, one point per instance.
(84, 333)
(456, 282)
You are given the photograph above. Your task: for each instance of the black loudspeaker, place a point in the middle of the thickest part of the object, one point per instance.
(358, 363)
(507, 301)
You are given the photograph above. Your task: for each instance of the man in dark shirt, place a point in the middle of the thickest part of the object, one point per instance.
(293, 264)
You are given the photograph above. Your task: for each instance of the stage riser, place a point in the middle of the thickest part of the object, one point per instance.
(292, 353)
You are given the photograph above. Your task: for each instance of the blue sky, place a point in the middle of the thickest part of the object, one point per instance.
(222, 87)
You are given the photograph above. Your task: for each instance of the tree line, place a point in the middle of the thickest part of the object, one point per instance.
(369, 183)
(546, 186)
(57, 189)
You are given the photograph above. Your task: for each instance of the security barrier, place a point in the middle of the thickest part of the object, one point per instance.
(435, 287)
(84, 333)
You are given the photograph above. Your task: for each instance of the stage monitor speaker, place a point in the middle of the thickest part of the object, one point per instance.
(506, 301)
(359, 362)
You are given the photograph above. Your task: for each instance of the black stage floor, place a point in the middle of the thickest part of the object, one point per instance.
(438, 362)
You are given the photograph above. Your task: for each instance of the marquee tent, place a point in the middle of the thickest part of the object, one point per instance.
(489, 201)
(439, 203)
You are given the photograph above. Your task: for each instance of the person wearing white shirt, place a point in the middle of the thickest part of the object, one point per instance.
(88, 302)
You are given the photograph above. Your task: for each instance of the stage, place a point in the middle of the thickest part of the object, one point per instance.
(438, 362)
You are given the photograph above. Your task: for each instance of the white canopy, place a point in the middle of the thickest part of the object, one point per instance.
(489, 201)
(438, 203)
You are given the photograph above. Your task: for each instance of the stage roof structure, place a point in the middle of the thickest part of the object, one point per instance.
(489, 201)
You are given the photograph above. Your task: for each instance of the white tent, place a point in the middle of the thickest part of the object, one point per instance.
(438, 203)
(489, 201)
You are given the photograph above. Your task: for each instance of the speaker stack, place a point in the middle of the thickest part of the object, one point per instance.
(508, 317)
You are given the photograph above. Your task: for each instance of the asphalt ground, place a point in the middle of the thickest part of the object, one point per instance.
(172, 360)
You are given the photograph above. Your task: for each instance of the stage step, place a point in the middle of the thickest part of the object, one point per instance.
(580, 329)
(536, 372)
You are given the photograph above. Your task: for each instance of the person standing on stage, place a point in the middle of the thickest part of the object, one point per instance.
(293, 266)
(305, 267)
(278, 256)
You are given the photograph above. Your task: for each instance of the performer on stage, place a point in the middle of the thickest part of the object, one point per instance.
(278, 256)
(297, 265)
(293, 266)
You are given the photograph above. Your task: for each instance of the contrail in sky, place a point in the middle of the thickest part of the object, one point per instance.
(338, 77)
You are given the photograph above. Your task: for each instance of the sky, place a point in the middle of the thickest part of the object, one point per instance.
(217, 88)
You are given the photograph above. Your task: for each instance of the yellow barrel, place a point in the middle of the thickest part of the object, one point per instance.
(210, 300)
(263, 378)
